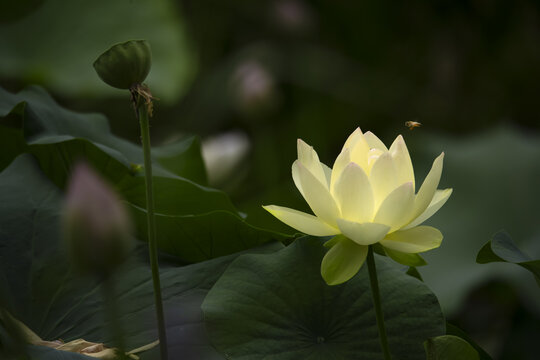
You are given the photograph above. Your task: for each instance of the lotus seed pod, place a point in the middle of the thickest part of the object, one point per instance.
(125, 64)
(97, 228)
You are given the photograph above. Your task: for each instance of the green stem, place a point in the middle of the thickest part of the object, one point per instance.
(152, 244)
(377, 303)
(111, 316)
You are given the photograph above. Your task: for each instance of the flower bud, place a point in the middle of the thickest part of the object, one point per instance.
(125, 64)
(96, 225)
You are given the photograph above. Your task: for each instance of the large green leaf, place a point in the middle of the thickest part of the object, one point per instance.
(173, 195)
(502, 248)
(59, 138)
(277, 306)
(183, 157)
(43, 121)
(66, 37)
(200, 237)
(39, 288)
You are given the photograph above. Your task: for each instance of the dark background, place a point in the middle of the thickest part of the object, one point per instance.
(253, 76)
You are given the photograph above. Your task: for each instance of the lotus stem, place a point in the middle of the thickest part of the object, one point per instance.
(141, 111)
(111, 315)
(377, 303)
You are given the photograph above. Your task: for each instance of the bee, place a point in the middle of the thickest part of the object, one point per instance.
(412, 124)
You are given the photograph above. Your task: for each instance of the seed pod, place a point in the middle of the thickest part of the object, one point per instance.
(97, 228)
(125, 64)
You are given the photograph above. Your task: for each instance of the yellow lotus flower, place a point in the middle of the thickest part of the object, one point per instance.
(368, 197)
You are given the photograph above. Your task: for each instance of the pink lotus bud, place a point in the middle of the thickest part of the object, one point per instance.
(96, 226)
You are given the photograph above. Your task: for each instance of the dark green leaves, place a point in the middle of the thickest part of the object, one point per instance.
(195, 223)
(65, 135)
(503, 249)
(195, 238)
(38, 287)
(278, 306)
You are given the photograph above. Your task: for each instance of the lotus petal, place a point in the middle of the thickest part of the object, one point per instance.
(317, 196)
(374, 142)
(428, 188)
(383, 178)
(363, 234)
(309, 158)
(415, 240)
(301, 221)
(402, 161)
(397, 208)
(436, 203)
(354, 195)
(343, 261)
(343, 159)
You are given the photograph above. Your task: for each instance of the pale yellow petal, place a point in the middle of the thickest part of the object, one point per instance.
(363, 234)
(396, 210)
(309, 158)
(428, 188)
(374, 142)
(402, 161)
(372, 156)
(354, 195)
(438, 201)
(359, 151)
(383, 178)
(415, 240)
(343, 261)
(301, 221)
(296, 177)
(352, 138)
(341, 162)
(327, 174)
(317, 196)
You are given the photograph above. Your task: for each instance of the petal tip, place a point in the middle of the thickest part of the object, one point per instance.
(268, 208)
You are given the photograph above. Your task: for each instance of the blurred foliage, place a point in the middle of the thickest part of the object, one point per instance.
(277, 70)
(205, 218)
(39, 287)
(56, 44)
